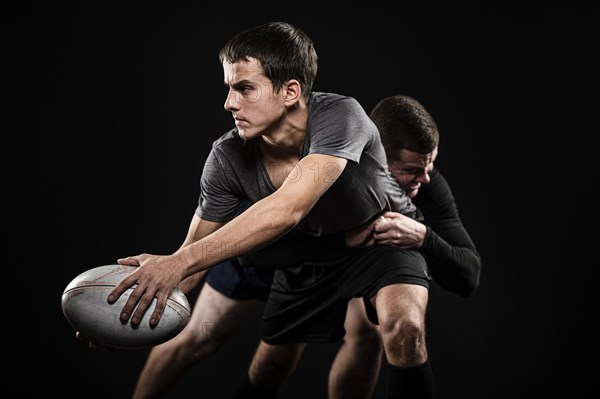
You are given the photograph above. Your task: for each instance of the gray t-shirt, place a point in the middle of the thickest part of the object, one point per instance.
(338, 126)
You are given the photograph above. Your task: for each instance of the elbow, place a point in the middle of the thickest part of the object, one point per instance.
(469, 289)
(471, 281)
(283, 219)
(294, 218)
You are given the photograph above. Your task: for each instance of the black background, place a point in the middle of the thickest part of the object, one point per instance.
(124, 102)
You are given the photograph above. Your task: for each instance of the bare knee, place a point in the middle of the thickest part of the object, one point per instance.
(404, 342)
(203, 341)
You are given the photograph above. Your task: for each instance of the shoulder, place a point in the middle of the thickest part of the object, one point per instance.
(437, 191)
(335, 112)
(231, 144)
(437, 179)
(320, 101)
(229, 152)
(230, 138)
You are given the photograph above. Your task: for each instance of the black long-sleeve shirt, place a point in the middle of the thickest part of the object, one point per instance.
(451, 254)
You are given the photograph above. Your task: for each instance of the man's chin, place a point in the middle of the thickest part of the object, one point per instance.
(412, 193)
(246, 134)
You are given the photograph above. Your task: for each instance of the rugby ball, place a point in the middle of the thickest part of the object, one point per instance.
(84, 304)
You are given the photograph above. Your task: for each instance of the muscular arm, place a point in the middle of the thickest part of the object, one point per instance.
(262, 223)
(267, 219)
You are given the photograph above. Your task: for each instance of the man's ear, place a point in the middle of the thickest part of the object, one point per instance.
(293, 92)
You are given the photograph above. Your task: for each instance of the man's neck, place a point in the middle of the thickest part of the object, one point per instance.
(287, 141)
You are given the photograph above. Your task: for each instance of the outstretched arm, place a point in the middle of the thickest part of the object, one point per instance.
(260, 224)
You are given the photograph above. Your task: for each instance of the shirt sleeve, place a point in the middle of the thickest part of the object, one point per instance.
(218, 201)
(340, 127)
(453, 259)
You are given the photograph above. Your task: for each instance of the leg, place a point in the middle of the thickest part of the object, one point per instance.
(270, 366)
(401, 312)
(355, 369)
(214, 320)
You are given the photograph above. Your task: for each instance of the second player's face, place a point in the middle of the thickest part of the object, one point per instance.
(255, 107)
(411, 169)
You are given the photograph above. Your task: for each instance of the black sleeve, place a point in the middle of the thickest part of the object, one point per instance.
(451, 254)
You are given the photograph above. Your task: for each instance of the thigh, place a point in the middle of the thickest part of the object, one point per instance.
(304, 305)
(216, 316)
(380, 266)
(308, 303)
(357, 322)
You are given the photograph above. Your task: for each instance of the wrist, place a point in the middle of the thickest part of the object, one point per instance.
(421, 233)
(427, 238)
(186, 261)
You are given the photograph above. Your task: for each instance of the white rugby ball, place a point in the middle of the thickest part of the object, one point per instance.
(85, 306)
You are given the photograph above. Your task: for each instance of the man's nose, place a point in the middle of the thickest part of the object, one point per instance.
(423, 177)
(232, 102)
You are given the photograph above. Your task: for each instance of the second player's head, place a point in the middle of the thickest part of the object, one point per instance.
(410, 137)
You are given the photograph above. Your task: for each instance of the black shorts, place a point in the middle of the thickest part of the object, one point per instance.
(308, 303)
(239, 282)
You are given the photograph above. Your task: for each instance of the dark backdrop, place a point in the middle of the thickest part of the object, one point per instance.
(126, 100)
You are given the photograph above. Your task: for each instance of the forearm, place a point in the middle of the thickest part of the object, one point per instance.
(260, 224)
(456, 268)
(267, 219)
(197, 230)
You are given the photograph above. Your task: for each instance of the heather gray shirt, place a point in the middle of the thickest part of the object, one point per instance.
(337, 125)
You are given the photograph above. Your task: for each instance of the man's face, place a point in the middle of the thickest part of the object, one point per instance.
(411, 169)
(255, 108)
